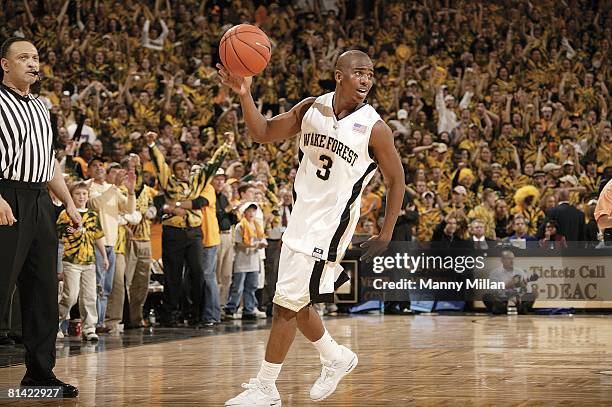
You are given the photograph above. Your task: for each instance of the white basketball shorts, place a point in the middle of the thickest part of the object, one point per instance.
(303, 279)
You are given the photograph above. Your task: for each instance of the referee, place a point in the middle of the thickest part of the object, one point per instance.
(28, 240)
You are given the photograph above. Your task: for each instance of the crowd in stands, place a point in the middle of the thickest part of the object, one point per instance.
(499, 111)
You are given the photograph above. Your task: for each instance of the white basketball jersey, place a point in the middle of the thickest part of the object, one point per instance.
(335, 166)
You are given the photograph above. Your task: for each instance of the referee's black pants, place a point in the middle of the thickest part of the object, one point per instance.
(28, 257)
(182, 247)
(10, 323)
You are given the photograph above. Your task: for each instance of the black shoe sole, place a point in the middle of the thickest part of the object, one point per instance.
(68, 391)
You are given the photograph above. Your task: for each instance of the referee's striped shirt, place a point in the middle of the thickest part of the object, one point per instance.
(26, 138)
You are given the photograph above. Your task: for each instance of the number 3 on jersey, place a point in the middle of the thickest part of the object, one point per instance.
(323, 173)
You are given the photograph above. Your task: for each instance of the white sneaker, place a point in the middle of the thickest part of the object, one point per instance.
(115, 329)
(332, 373)
(256, 395)
(60, 334)
(331, 308)
(91, 337)
(260, 314)
(320, 308)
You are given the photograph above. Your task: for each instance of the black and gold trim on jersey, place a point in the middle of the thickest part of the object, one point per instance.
(315, 282)
(345, 218)
(78, 241)
(300, 157)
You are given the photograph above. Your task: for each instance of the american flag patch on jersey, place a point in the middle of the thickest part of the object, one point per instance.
(359, 128)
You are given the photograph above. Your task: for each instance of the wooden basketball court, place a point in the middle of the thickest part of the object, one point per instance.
(403, 360)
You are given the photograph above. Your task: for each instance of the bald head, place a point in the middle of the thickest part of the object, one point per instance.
(564, 194)
(354, 75)
(348, 58)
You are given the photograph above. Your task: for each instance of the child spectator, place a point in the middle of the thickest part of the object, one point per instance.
(248, 239)
(79, 262)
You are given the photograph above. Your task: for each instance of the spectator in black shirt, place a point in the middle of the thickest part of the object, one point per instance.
(407, 219)
(447, 232)
(502, 220)
(570, 220)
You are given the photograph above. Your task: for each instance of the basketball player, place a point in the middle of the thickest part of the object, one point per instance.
(342, 142)
(603, 212)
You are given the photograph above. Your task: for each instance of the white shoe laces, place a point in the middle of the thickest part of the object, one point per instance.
(327, 372)
(255, 385)
(251, 386)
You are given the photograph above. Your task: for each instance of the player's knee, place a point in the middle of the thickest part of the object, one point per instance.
(304, 314)
(283, 313)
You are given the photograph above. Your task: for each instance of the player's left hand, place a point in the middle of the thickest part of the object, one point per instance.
(74, 215)
(373, 247)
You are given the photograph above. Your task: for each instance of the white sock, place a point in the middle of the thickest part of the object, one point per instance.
(268, 373)
(327, 347)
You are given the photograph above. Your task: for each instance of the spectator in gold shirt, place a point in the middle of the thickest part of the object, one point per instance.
(211, 311)
(138, 252)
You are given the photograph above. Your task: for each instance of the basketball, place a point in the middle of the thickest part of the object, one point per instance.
(245, 50)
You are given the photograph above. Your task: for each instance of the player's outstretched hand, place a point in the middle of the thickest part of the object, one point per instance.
(240, 85)
(374, 246)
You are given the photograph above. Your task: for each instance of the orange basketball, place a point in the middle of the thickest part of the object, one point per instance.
(245, 50)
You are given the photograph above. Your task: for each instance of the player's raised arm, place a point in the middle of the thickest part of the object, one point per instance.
(381, 143)
(264, 130)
